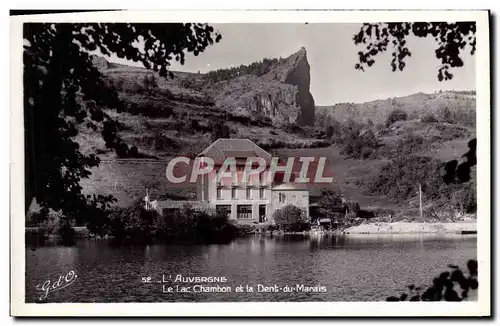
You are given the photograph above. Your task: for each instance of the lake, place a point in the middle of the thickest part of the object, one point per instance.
(283, 268)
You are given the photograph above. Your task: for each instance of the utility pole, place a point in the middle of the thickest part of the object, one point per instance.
(420, 195)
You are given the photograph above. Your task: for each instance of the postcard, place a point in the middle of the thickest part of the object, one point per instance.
(250, 163)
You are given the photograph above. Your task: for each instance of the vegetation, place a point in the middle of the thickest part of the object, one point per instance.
(257, 68)
(452, 39)
(136, 224)
(361, 146)
(219, 130)
(399, 180)
(451, 285)
(290, 219)
(150, 82)
(396, 115)
(64, 90)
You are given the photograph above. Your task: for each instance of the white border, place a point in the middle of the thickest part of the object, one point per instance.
(478, 308)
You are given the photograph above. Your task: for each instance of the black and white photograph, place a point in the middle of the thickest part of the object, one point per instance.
(196, 157)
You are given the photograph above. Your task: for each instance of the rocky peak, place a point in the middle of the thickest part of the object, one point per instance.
(299, 75)
(295, 70)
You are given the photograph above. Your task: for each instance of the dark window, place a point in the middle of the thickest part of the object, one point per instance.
(248, 193)
(223, 210)
(281, 197)
(219, 193)
(244, 212)
(233, 193)
(261, 193)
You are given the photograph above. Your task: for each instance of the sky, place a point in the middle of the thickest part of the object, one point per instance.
(332, 55)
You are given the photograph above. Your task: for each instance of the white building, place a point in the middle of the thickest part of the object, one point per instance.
(247, 200)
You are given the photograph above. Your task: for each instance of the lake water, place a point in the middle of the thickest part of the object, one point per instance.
(336, 268)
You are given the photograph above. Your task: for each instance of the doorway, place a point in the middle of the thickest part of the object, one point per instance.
(262, 213)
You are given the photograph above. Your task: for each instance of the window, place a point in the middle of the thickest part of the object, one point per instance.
(281, 197)
(219, 193)
(223, 210)
(244, 212)
(248, 192)
(233, 193)
(261, 193)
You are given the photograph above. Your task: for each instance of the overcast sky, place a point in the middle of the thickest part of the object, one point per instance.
(332, 56)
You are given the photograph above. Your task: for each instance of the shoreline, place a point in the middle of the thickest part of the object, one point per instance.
(459, 227)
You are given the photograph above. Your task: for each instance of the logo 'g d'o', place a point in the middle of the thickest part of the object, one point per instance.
(62, 282)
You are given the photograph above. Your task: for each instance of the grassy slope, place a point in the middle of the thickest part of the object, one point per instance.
(416, 105)
(164, 137)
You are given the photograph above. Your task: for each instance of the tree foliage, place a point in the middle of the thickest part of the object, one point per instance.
(64, 90)
(460, 173)
(452, 285)
(396, 115)
(290, 218)
(257, 68)
(452, 39)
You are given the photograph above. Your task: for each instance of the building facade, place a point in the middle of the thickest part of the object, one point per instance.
(250, 198)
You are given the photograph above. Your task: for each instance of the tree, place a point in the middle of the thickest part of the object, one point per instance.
(150, 82)
(452, 39)
(396, 115)
(219, 130)
(63, 90)
(289, 218)
(330, 205)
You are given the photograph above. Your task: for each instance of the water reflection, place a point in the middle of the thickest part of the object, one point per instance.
(351, 267)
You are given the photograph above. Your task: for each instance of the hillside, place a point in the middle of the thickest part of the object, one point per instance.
(416, 105)
(270, 103)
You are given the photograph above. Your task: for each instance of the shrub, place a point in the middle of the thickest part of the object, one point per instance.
(290, 218)
(429, 118)
(396, 115)
(399, 178)
(445, 115)
(410, 144)
(361, 146)
(150, 81)
(150, 108)
(133, 151)
(121, 150)
(219, 130)
(292, 128)
(136, 224)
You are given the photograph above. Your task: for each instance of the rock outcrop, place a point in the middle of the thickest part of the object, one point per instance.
(281, 94)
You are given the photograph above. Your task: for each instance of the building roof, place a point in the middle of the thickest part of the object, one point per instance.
(224, 148)
(291, 186)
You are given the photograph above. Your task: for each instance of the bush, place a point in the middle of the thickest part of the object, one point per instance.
(290, 218)
(362, 146)
(219, 130)
(445, 115)
(150, 108)
(133, 151)
(399, 179)
(396, 115)
(292, 128)
(429, 118)
(136, 224)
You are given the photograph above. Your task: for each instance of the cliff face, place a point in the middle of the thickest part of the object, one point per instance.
(299, 75)
(280, 91)
(281, 94)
